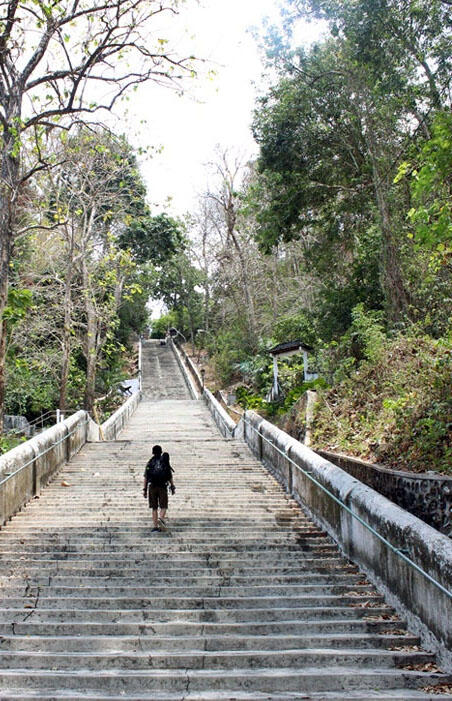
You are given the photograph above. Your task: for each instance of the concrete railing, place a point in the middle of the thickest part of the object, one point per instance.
(190, 373)
(29, 467)
(410, 561)
(110, 429)
(193, 370)
(224, 422)
(427, 496)
(26, 469)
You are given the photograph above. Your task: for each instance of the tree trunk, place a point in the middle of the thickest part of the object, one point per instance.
(206, 284)
(249, 302)
(90, 343)
(2, 371)
(396, 296)
(397, 299)
(66, 340)
(9, 182)
(231, 220)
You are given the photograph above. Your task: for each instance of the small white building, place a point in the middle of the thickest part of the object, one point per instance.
(284, 350)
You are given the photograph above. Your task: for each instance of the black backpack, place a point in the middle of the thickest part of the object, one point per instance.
(156, 472)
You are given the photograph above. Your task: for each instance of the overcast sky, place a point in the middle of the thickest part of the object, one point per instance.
(217, 111)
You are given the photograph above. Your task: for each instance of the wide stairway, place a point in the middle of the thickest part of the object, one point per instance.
(241, 598)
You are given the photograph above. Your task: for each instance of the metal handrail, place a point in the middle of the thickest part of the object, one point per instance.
(42, 418)
(386, 542)
(44, 452)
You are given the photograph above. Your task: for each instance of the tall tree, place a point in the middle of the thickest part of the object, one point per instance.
(62, 61)
(89, 199)
(225, 198)
(335, 127)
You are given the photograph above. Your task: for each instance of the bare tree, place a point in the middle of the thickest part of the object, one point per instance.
(230, 172)
(62, 61)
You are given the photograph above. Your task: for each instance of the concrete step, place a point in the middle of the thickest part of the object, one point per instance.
(182, 680)
(242, 598)
(197, 611)
(329, 627)
(244, 640)
(199, 586)
(208, 598)
(200, 659)
(371, 695)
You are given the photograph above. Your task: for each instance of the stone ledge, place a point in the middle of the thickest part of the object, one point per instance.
(30, 466)
(428, 608)
(427, 496)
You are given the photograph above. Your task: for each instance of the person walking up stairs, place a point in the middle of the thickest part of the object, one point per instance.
(157, 477)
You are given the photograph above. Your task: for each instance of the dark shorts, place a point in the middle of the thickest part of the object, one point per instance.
(158, 497)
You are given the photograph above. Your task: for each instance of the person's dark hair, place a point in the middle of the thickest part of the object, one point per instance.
(157, 450)
(165, 459)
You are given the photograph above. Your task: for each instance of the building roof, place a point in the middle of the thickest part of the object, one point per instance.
(289, 346)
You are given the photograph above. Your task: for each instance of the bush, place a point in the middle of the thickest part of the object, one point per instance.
(365, 339)
(32, 386)
(396, 408)
(296, 327)
(9, 442)
(227, 354)
(160, 326)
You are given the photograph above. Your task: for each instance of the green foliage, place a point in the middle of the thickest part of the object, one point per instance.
(396, 408)
(176, 284)
(257, 370)
(227, 353)
(295, 327)
(364, 339)
(133, 315)
(151, 238)
(31, 386)
(431, 190)
(368, 330)
(19, 302)
(9, 442)
(76, 382)
(294, 394)
(160, 326)
(333, 128)
(249, 400)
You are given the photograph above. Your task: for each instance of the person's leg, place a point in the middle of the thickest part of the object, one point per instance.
(163, 499)
(154, 504)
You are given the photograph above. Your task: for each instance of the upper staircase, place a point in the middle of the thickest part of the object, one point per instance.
(242, 598)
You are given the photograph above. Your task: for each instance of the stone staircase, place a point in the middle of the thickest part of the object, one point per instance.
(242, 598)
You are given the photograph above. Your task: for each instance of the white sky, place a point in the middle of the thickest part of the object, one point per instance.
(218, 111)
